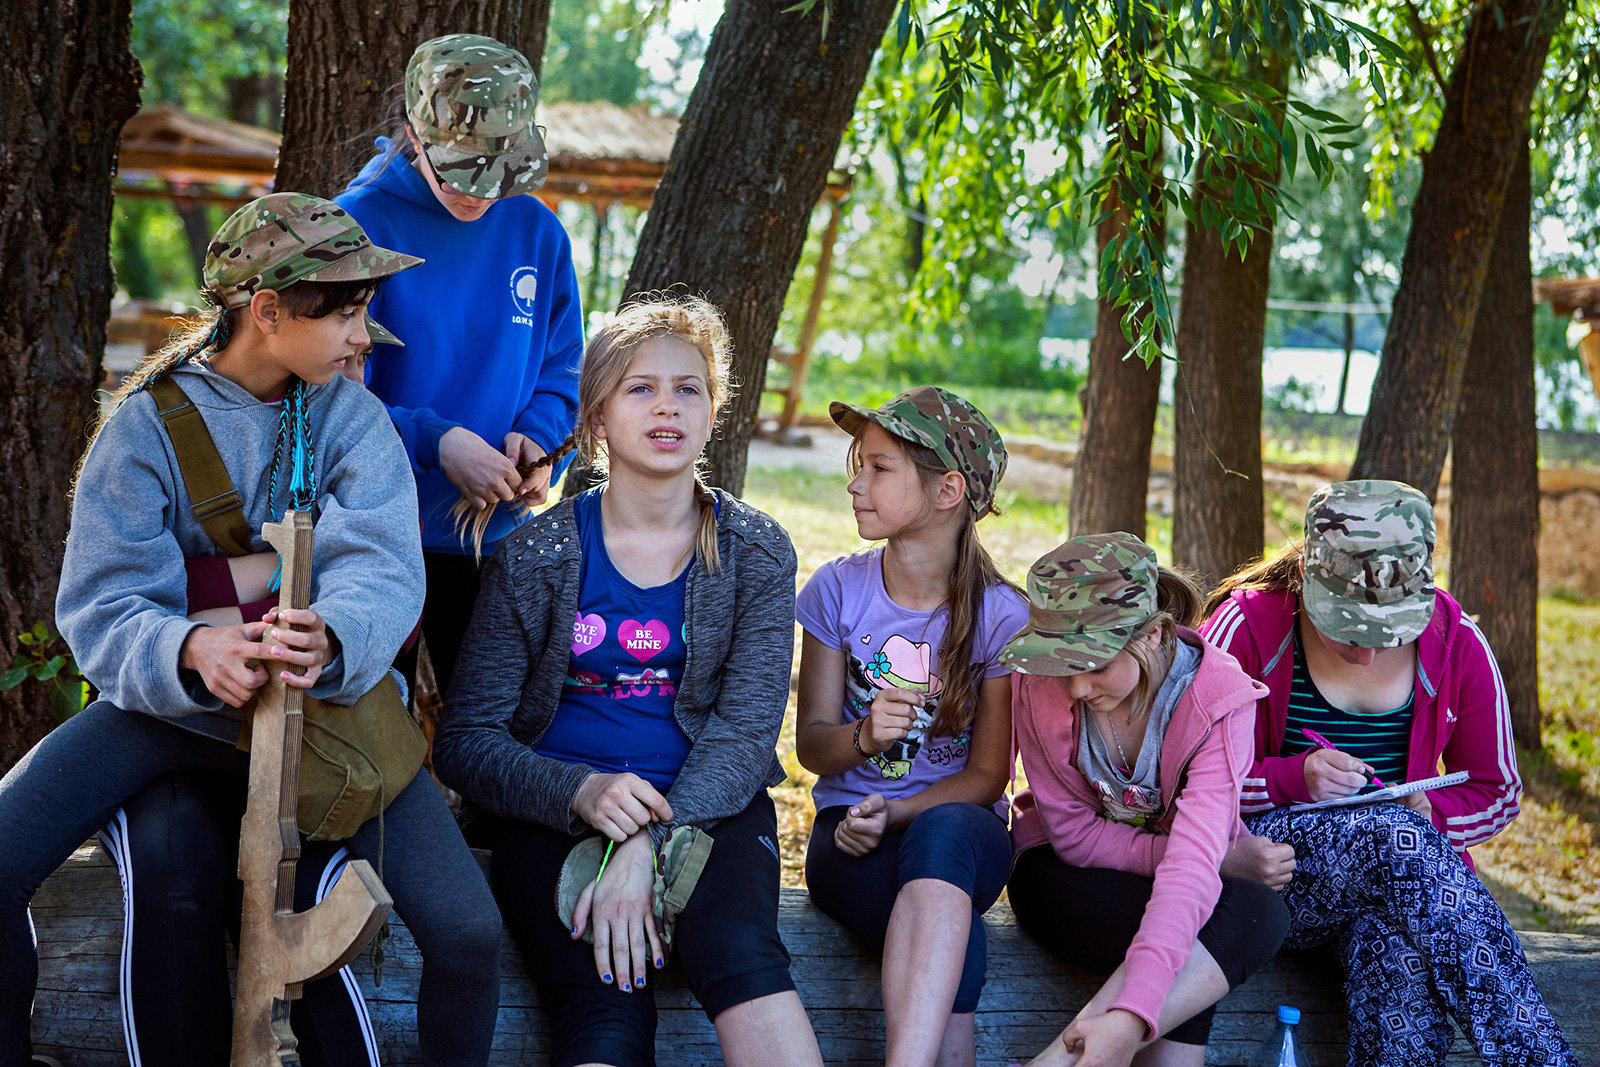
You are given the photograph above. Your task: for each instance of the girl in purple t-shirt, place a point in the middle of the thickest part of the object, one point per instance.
(905, 714)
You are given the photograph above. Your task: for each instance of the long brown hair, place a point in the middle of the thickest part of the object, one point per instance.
(1284, 571)
(1177, 604)
(204, 335)
(609, 354)
(971, 579)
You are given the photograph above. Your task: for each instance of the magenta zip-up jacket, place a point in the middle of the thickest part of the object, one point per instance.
(1459, 714)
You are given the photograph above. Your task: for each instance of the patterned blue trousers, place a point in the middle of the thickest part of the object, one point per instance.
(1420, 938)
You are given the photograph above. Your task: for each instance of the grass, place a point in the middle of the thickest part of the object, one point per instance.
(1545, 869)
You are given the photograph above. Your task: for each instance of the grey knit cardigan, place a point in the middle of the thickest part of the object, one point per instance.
(516, 653)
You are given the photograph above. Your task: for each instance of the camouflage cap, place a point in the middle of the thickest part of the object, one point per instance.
(470, 100)
(1369, 563)
(1086, 598)
(277, 240)
(961, 435)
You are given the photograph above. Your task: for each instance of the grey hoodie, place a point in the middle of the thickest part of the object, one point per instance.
(122, 601)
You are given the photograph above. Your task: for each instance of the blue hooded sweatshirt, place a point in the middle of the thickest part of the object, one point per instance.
(492, 328)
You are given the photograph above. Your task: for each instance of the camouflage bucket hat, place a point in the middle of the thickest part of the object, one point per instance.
(1085, 600)
(1369, 563)
(470, 100)
(277, 240)
(962, 436)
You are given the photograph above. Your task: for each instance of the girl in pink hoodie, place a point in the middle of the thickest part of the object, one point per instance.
(1134, 734)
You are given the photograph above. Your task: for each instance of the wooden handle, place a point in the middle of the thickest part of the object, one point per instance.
(280, 949)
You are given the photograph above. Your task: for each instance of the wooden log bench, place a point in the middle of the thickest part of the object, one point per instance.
(1029, 996)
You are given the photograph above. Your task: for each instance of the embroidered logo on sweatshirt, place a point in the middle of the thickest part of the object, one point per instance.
(524, 293)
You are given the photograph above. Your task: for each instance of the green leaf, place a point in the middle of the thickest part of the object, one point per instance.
(50, 668)
(41, 633)
(12, 678)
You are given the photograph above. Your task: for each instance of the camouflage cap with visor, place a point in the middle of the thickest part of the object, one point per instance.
(1086, 598)
(275, 241)
(959, 434)
(470, 100)
(1369, 563)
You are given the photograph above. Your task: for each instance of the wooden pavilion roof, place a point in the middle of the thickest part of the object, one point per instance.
(1569, 295)
(600, 153)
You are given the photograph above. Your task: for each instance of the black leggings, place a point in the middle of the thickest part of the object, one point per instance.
(452, 592)
(1089, 915)
(727, 938)
(176, 846)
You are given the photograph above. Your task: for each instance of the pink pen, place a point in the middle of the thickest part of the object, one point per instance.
(1322, 742)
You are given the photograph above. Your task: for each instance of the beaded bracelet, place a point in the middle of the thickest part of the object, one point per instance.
(855, 739)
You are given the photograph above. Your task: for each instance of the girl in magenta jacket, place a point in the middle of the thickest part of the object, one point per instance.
(1376, 677)
(1134, 734)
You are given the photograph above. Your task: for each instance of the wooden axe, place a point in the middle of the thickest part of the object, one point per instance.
(280, 949)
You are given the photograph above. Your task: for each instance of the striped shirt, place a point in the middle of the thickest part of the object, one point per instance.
(1378, 739)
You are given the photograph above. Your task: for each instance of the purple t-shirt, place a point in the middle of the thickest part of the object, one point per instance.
(845, 606)
(627, 659)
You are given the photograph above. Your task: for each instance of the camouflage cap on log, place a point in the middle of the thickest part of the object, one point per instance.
(470, 100)
(277, 240)
(962, 436)
(1369, 563)
(1086, 598)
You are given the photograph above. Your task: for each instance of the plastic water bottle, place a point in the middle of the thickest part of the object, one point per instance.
(1278, 1050)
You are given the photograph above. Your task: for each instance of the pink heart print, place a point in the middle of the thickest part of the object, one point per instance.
(642, 640)
(587, 632)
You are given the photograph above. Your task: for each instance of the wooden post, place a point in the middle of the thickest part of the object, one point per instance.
(1589, 345)
(808, 330)
(280, 950)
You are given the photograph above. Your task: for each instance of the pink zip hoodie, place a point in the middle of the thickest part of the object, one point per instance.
(1204, 757)
(1460, 717)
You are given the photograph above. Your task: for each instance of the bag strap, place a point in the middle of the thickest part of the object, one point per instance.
(217, 505)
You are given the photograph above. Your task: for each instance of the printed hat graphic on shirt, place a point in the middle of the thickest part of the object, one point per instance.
(1369, 563)
(1086, 598)
(277, 240)
(962, 436)
(470, 100)
(904, 664)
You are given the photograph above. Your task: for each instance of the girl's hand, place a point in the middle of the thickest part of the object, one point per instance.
(619, 805)
(1259, 859)
(860, 831)
(618, 906)
(312, 645)
(1106, 1040)
(521, 451)
(482, 472)
(894, 713)
(221, 654)
(1331, 773)
(1419, 803)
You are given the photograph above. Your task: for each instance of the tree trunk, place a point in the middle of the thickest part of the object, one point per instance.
(1217, 496)
(1409, 423)
(1494, 490)
(70, 82)
(1111, 475)
(754, 148)
(347, 68)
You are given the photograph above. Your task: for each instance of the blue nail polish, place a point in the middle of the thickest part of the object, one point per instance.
(625, 987)
(660, 962)
(574, 931)
(605, 978)
(639, 983)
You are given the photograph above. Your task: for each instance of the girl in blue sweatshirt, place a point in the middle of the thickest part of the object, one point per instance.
(487, 381)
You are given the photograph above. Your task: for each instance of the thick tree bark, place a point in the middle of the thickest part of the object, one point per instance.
(69, 82)
(347, 67)
(1494, 491)
(1111, 474)
(1216, 468)
(757, 140)
(1409, 423)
